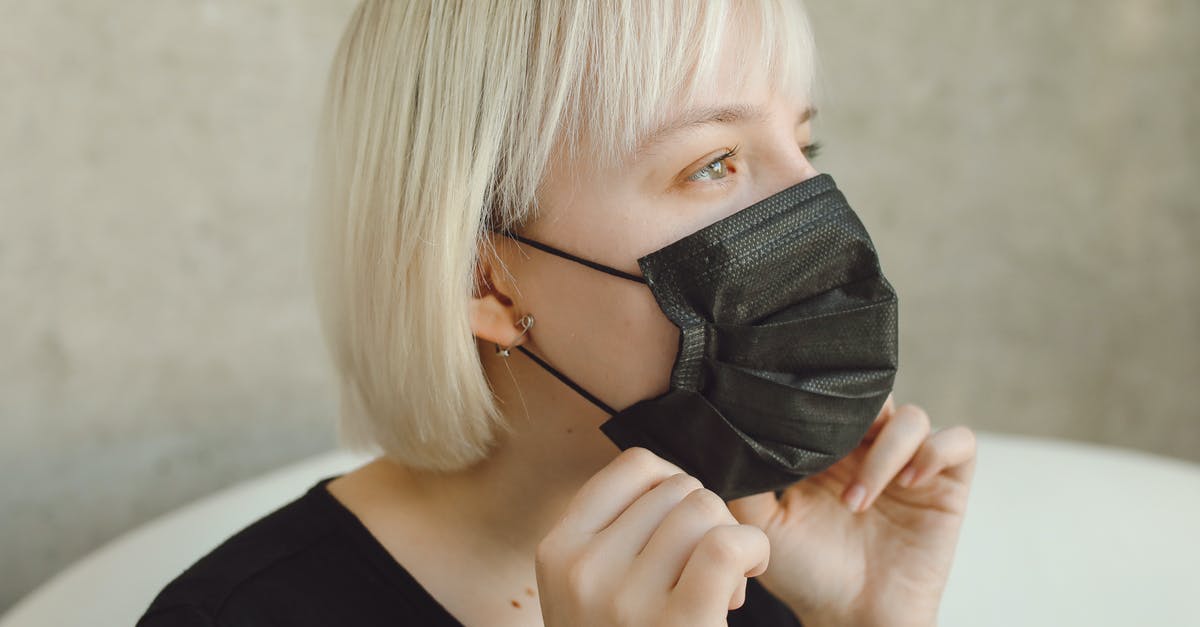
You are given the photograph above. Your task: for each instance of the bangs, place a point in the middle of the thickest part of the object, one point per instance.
(600, 75)
(643, 59)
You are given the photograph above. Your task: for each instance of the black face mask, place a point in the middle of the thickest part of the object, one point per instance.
(788, 346)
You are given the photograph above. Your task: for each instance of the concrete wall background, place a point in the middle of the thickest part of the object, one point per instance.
(1028, 170)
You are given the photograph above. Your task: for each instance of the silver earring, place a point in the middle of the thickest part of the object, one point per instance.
(524, 323)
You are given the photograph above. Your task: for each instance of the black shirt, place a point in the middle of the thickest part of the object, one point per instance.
(312, 562)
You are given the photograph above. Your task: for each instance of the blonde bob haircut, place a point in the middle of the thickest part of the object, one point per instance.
(438, 123)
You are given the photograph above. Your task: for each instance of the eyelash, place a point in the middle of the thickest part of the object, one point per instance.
(731, 152)
(810, 152)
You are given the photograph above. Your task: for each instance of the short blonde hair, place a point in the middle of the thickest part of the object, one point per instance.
(438, 123)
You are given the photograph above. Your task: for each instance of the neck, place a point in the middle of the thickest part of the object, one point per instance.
(509, 501)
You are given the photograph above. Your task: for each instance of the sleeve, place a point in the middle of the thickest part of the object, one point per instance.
(176, 616)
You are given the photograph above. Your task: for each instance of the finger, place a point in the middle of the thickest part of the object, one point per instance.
(725, 556)
(948, 448)
(607, 493)
(667, 551)
(739, 596)
(628, 534)
(898, 441)
(755, 509)
(885, 414)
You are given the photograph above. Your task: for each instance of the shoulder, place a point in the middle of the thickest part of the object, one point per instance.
(176, 616)
(273, 561)
(310, 562)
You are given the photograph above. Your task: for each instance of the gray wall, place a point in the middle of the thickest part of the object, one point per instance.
(1033, 172)
(1028, 170)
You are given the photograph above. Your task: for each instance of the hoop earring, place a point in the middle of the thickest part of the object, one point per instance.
(524, 323)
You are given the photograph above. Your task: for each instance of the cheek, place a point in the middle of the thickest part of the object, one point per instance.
(649, 342)
(628, 345)
(605, 333)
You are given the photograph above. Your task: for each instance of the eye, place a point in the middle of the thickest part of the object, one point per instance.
(716, 169)
(811, 151)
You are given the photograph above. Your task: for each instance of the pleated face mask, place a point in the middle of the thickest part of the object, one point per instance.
(787, 349)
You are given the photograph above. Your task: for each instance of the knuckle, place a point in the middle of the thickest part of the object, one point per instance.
(641, 458)
(913, 417)
(706, 503)
(723, 547)
(581, 575)
(684, 482)
(547, 552)
(637, 454)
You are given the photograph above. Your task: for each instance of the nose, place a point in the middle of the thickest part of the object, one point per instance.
(787, 165)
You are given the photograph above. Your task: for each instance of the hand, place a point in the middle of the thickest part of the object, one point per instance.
(643, 544)
(887, 561)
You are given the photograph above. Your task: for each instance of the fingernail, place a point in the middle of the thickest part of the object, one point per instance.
(855, 496)
(906, 477)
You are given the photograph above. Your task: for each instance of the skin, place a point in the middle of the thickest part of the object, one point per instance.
(555, 492)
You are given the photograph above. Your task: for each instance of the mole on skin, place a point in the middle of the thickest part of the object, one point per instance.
(528, 592)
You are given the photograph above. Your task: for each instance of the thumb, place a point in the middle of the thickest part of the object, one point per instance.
(755, 509)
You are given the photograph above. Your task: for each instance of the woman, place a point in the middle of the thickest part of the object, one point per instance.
(467, 148)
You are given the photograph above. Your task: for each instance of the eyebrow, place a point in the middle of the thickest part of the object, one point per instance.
(704, 116)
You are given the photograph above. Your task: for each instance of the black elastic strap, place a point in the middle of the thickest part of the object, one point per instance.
(582, 392)
(591, 264)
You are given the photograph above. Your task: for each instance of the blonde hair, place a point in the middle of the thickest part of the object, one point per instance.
(438, 124)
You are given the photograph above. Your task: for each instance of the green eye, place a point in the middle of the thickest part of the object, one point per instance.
(812, 150)
(714, 170)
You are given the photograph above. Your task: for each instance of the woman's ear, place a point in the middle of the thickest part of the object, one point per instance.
(493, 313)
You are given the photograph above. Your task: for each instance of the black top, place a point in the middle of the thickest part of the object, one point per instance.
(312, 562)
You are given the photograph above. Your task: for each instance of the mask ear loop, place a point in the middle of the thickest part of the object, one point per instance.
(525, 322)
(582, 392)
(562, 253)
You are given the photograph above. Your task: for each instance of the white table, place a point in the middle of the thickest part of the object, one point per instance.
(1057, 533)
